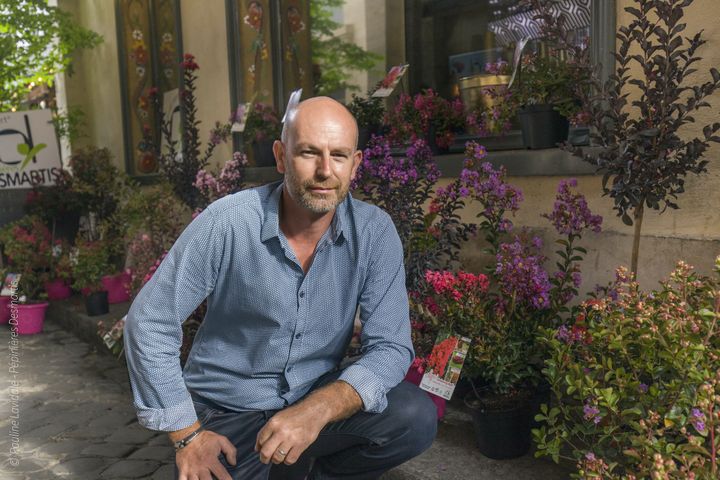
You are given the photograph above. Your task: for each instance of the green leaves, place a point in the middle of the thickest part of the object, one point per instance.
(36, 42)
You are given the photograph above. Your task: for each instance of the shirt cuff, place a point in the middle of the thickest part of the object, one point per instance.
(368, 385)
(167, 419)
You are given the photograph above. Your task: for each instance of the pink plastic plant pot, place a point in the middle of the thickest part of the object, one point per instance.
(58, 289)
(30, 318)
(117, 287)
(415, 376)
(4, 310)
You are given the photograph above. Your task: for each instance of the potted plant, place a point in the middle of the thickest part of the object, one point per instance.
(427, 116)
(90, 262)
(262, 128)
(59, 278)
(545, 92)
(483, 90)
(60, 205)
(635, 380)
(4, 299)
(26, 244)
(504, 359)
(369, 114)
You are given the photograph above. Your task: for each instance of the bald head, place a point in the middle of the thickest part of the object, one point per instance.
(313, 107)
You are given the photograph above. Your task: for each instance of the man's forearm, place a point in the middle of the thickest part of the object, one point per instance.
(332, 402)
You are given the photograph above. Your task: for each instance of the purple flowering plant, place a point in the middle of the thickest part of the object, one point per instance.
(263, 123)
(636, 381)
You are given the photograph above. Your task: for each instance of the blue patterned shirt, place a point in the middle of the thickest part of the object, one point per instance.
(270, 330)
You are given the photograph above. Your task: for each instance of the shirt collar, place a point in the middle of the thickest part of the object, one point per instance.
(271, 223)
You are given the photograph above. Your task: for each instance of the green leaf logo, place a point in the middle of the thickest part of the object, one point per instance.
(29, 153)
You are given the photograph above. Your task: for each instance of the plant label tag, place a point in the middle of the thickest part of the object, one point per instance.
(391, 80)
(10, 285)
(444, 364)
(109, 341)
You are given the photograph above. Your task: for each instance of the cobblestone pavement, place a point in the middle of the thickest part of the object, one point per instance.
(75, 416)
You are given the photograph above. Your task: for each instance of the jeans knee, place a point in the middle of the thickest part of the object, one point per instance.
(415, 414)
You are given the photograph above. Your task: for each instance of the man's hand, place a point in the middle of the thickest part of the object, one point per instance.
(199, 459)
(292, 430)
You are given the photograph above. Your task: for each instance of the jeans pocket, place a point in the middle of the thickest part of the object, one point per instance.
(203, 412)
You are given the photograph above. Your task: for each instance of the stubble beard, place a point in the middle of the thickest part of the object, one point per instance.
(301, 192)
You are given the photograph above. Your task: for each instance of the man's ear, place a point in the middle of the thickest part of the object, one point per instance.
(357, 159)
(279, 152)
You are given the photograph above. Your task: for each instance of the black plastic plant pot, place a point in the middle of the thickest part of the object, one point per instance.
(504, 434)
(542, 126)
(96, 303)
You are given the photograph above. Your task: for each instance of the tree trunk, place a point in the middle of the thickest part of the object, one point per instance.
(636, 239)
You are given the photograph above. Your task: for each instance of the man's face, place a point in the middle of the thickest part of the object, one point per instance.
(319, 158)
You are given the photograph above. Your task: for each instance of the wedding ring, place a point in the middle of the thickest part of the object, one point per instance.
(281, 452)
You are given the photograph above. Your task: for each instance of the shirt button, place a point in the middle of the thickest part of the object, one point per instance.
(289, 369)
(302, 294)
(298, 335)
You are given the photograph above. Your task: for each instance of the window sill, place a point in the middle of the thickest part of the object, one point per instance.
(522, 163)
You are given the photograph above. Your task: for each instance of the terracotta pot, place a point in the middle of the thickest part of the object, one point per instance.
(30, 318)
(58, 289)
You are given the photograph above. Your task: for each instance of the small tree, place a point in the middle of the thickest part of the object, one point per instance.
(36, 42)
(641, 153)
(336, 57)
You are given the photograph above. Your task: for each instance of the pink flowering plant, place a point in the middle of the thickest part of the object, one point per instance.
(213, 186)
(426, 115)
(635, 378)
(26, 243)
(263, 123)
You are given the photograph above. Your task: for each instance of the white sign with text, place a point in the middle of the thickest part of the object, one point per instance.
(29, 151)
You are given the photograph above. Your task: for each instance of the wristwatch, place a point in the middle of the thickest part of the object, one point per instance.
(183, 442)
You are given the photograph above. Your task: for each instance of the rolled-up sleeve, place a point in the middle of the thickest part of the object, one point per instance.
(153, 328)
(386, 351)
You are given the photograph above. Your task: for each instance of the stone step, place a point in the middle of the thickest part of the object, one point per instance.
(454, 456)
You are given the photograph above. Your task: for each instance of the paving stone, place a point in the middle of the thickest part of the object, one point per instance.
(77, 468)
(112, 420)
(166, 472)
(130, 469)
(131, 434)
(21, 465)
(159, 453)
(161, 439)
(59, 448)
(46, 431)
(112, 450)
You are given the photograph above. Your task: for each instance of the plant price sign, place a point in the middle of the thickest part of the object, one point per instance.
(29, 151)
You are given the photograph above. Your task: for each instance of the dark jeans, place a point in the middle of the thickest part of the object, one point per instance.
(363, 446)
